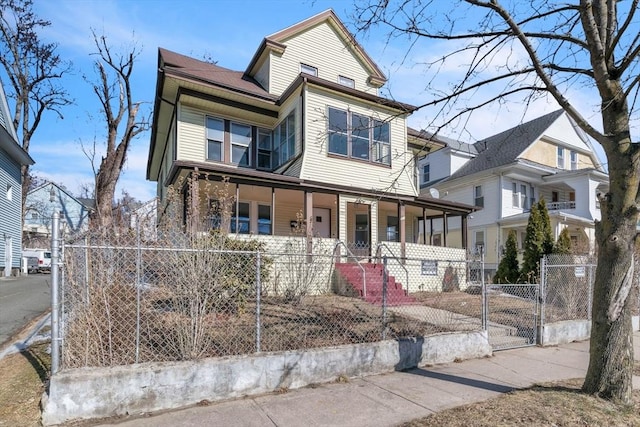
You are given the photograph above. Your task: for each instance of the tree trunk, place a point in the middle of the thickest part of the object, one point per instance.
(611, 349)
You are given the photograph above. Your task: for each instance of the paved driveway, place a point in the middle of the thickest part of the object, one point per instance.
(22, 299)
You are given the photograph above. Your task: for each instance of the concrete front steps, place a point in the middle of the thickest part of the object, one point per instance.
(352, 274)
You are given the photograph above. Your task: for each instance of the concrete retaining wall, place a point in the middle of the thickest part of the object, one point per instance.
(87, 393)
(573, 330)
(565, 332)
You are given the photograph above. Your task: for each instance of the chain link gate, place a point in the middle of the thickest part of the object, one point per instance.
(512, 313)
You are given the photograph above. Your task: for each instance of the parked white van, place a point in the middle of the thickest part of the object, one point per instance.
(43, 255)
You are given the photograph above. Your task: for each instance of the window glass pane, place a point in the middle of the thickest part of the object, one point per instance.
(380, 131)
(242, 218)
(214, 150)
(240, 154)
(264, 160)
(240, 134)
(426, 172)
(337, 120)
(308, 69)
(360, 148)
(264, 139)
(215, 129)
(338, 143)
(382, 152)
(359, 126)
(264, 219)
(346, 81)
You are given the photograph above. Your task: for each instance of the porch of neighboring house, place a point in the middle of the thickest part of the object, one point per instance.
(351, 233)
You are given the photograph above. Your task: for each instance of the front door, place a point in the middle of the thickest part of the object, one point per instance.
(8, 256)
(322, 222)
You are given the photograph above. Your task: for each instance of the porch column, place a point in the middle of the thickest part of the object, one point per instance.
(431, 231)
(193, 213)
(403, 231)
(445, 229)
(273, 211)
(424, 226)
(464, 232)
(237, 208)
(308, 215)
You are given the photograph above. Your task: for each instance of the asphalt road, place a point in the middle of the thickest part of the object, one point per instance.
(22, 299)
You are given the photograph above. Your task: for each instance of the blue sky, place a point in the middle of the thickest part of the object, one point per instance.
(228, 31)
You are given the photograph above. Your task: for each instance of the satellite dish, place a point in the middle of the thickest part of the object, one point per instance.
(434, 193)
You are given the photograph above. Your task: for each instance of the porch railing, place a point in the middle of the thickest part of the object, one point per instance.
(349, 253)
(554, 206)
(379, 247)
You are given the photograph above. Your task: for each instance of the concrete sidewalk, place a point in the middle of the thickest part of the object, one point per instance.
(393, 398)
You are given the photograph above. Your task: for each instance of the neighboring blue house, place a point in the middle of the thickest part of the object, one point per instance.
(12, 157)
(40, 205)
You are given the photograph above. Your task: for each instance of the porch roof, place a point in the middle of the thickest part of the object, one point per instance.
(267, 179)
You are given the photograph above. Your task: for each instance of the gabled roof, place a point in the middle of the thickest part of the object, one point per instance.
(505, 147)
(8, 135)
(89, 204)
(275, 42)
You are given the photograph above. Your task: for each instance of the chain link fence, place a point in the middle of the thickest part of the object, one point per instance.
(128, 299)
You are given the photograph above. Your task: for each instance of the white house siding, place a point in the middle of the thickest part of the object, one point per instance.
(191, 134)
(319, 166)
(439, 165)
(11, 218)
(320, 47)
(74, 214)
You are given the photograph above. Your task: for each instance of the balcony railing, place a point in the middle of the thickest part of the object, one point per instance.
(555, 206)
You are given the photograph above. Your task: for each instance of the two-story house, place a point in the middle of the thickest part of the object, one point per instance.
(303, 130)
(12, 158)
(549, 157)
(42, 202)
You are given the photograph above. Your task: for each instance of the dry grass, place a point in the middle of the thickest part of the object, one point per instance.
(23, 377)
(552, 404)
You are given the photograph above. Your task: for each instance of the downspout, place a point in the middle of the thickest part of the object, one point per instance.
(499, 230)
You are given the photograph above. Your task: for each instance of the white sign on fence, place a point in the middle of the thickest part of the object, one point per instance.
(579, 271)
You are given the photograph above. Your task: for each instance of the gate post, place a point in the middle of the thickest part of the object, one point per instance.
(485, 308)
(542, 298)
(385, 280)
(55, 303)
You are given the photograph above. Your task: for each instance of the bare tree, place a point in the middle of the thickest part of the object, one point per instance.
(123, 121)
(533, 49)
(33, 69)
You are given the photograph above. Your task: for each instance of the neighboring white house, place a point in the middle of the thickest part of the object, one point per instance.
(40, 205)
(12, 158)
(301, 130)
(549, 157)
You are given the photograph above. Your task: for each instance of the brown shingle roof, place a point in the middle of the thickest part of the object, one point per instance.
(184, 66)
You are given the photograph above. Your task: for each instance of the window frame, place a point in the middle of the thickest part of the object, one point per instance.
(308, 69)
(248, 145)
(573, 156)
(560, 157)
(478, 197)
(426, 173)
(212, 140)
(346, 81)
(378, 137)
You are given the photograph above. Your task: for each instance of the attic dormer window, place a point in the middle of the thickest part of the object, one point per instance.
(346, 81)
(308, 69)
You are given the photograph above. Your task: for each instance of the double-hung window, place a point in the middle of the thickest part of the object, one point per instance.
(560, 157)
(381, 142)
(308, 69)
(264, 149)
(215, 139)
(240, 144)
(426, 173)
(574, 160)
(523, 197)
(477, 196)
(358, 136)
